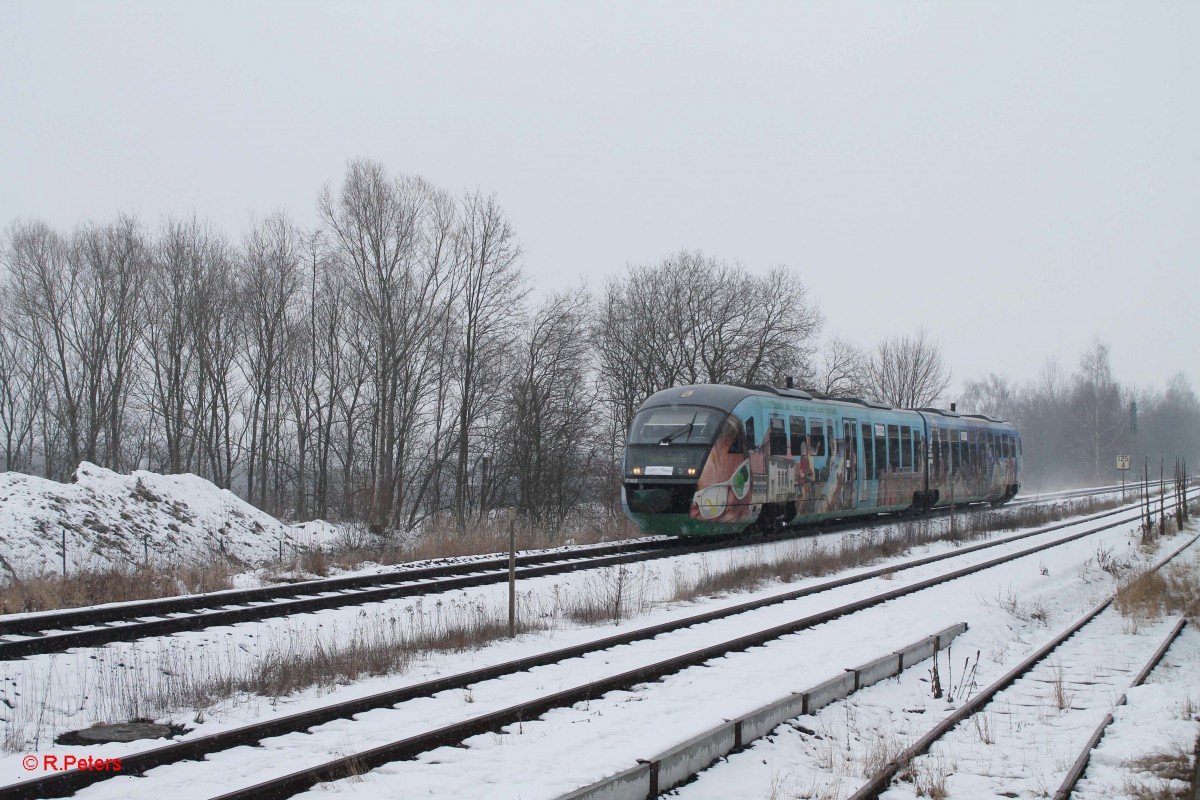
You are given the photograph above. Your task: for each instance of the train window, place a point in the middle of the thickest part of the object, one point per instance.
(918, 450)
(937, 457)
(1008, 446)
(829, 434)
(906, 459)
(893, 436)
(816, 428)
(796, 426)
(778, 436)
(675, 425)
(868, 453)
(751, 439)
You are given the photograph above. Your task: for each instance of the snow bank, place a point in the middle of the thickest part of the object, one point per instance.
(114, 520)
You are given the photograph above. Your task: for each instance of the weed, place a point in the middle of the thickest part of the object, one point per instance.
(1161, 776)
(1058, 685)
(1149, 595)
(112, 586)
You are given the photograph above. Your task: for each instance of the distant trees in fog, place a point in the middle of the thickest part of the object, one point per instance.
(1074, 425)
(390, 365)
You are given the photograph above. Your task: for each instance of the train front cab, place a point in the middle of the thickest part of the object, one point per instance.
(668, 450)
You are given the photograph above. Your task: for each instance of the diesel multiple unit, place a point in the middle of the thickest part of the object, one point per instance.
(712, 458)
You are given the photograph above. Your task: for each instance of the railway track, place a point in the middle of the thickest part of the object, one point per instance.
(1076, 672)
(33, 634)
(400, 703)
(57, 631)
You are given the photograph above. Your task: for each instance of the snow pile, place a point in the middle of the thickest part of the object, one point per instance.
(114, 520)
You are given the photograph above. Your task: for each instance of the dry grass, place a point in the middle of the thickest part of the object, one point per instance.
(1150, 595)
(171, 681)
(354, 548)
(1058, 685)
(1161, 776)
(610, 595)
(444, 538)
(44, 593)
(881, 748)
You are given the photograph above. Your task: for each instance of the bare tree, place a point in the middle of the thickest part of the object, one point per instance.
(270, 286)
(695, 319)
(554, 439)
(487, 310)
(79, 307)
(907, 371)
(376, 225)
(193, 334)
(993, 395)
(1099, 403)
(22, 389)
(842, 369)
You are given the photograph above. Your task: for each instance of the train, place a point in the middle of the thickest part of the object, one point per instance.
(714, 459)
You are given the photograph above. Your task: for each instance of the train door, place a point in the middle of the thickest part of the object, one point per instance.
(850, 463)
(781, 479)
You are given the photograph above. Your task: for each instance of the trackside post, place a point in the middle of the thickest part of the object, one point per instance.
(512, 578)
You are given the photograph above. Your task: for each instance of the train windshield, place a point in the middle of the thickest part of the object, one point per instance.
(676, 425)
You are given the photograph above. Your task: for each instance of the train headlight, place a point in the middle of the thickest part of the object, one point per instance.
(691, 470)
(636, 470)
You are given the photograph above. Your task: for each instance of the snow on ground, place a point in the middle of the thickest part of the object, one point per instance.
(116, 521)
(1010, 610)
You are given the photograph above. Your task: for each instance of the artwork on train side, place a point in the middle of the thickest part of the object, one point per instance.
(724, 491)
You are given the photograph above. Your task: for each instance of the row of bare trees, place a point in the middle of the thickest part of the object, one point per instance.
(385, 366)
(389, 365)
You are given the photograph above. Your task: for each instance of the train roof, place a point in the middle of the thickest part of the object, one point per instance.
(726, 396)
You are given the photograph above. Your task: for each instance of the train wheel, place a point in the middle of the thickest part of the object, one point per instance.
(772, 519)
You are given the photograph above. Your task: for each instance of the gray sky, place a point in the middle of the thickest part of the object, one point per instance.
(1019, 177)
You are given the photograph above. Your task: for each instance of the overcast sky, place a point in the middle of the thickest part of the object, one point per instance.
(1019, 177)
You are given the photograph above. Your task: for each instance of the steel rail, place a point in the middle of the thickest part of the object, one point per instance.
(91, 637)
(879, 782)
(114, 612)
(64, 783)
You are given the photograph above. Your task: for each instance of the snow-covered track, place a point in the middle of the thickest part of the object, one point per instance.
(1080, 766)
(879, 782)
(55, 631)
(1130, 491)
(283, 786)
(24, 635)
